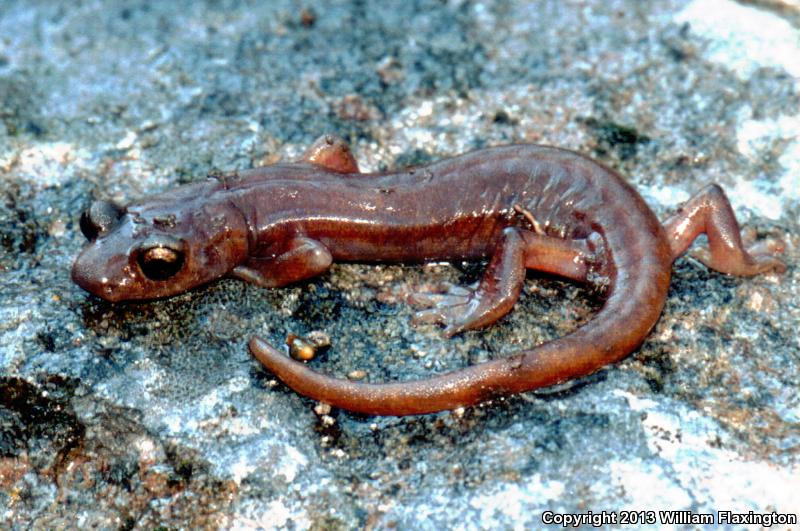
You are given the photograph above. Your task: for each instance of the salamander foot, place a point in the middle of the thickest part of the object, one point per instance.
(759, 257)
(451, 305)
(460, 309)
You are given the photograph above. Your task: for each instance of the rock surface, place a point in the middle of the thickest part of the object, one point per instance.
(146, 415)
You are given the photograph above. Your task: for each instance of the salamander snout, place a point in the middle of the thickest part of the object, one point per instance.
(100, 218)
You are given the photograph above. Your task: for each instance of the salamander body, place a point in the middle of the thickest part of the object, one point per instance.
(520, 206)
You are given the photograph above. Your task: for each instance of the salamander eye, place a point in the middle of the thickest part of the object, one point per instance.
(99, 218)
(160, 258)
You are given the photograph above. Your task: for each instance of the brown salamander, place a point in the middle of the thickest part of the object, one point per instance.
(521, 206)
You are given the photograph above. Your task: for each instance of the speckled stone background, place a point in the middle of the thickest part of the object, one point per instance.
(145, 415)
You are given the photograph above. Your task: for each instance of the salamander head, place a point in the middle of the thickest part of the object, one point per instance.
(158, 249)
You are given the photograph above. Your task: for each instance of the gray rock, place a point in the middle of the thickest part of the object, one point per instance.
(147, 415)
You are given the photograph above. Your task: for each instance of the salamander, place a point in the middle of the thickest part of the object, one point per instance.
(519, 206)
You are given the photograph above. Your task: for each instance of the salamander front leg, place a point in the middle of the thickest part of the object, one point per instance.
(710, 212)
(303, 258)
(460, 308)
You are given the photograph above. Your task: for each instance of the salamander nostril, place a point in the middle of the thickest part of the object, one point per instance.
(99, 218)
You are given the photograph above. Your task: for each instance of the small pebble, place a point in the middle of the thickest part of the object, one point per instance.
(300, 349)
(319, 339)
(308, 17)
(322, 409)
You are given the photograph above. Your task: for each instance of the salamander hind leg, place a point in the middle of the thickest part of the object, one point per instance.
(461, 309)
(466, 308)
(709, 212)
